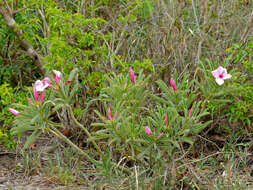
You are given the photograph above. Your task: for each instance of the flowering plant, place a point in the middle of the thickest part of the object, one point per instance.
(49, 98)
(125, 97)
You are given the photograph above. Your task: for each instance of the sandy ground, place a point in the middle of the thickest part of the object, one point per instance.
(10, 178)
(13, 177)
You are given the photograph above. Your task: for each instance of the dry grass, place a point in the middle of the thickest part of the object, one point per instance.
(179, 34)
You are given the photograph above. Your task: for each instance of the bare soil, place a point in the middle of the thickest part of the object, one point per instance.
(13, 176)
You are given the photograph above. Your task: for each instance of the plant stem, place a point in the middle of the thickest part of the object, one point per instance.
(150, 157)
(58, 134)
(66, 140)
(86, 131)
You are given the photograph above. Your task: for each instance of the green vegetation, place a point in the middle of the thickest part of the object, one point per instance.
(140, 94)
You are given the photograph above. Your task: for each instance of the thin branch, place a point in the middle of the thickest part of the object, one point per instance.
(198, 160)
(8, 7)
(19, 10)
(2, 55)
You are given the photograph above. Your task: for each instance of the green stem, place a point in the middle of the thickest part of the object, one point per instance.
(86, 131)
(80, 151)
(66, 140)
(150, 157)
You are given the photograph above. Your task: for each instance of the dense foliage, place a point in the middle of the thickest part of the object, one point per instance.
(142, 83)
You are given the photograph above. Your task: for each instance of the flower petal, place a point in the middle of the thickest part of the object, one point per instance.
(15, 112)
(29, 100)
(115, 116)
(109, 114)
(222, 70)
(219, 81)
(227, 76)
(148, 130)
(166, 120)
(57, 76)
(46, 80)
(190, 112)
(173, 84)
(160, 135)
(42, 96)
(216, 73)
(57, 73)
(132, 74)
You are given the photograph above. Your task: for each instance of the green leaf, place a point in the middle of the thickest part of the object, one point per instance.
(175, 143)
(73, 74)
(99, 137)
(35, 118)
(31, 139)
(19, 130)
(74, 90)
(187, 139)
(198, 128)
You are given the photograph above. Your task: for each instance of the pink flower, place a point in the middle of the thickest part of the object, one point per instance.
(47, 81)
(166, 120)
(15, 112)
(40, 86)
(42, 96)
(57, 76)
(29, 100)
(160, 135)
(173, 84)
(220, 75)
(109, 114)
(115, 116)
(132, 75)
(190, 112)
(36, 89)
(148, 130)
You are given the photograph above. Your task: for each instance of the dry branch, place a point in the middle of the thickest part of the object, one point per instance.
(8, 16)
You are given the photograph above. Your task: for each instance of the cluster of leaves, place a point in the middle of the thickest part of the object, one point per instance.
(242, 104)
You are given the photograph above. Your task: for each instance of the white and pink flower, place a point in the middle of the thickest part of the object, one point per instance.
(57, 76)
(220, 75)
(40, 86)
(15, 112)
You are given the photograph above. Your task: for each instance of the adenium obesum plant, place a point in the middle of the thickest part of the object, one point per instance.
(38, 118)
(220, 75)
